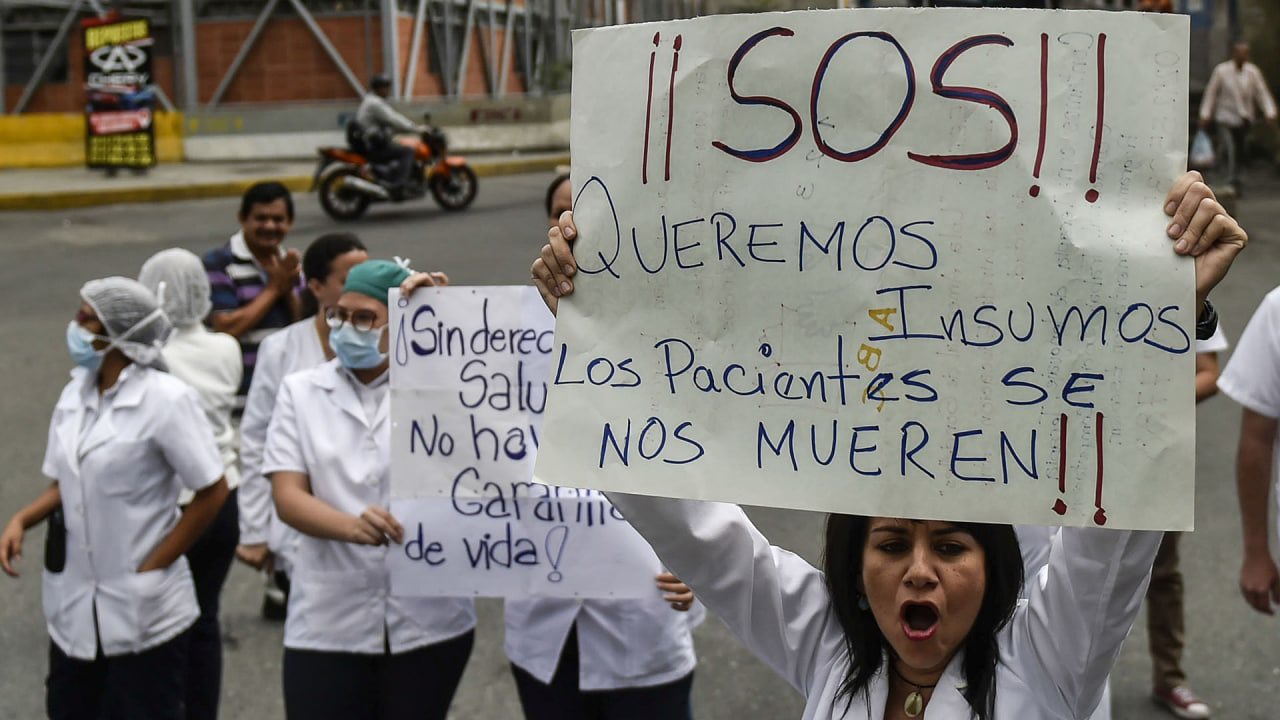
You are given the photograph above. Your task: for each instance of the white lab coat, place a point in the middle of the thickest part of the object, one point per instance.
(296, 347)
(1252, 377)
(120, 460)
(630, 643)
(339, 597)
(1035, 541)
(210, 363)
(1056, 652)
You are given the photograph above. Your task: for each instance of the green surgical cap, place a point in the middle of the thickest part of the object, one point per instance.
(374, 278)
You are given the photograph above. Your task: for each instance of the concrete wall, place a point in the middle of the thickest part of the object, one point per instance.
(296, 132)
(57, 139)
(290, 133)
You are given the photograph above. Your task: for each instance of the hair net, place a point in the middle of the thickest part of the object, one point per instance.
(133, 319)
(178, 279)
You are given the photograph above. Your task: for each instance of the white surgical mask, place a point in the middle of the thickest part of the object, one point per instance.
(80, 347)
(357, 349)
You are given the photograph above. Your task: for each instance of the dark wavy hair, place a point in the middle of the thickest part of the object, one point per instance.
(317, 263)
(866, 644)
(551, 190)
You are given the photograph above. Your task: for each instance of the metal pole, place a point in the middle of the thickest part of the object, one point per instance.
(187, 33)
(438, 40)
(4, 79)
(415, 47)
(447, 67)
(491, 51)
(465, 54)
(368, 38)
(391, 44)
(329, 49)
(46, 61)
(555, 30)
(507, 41)
(528, 46)
(245, 47)
(165, 102)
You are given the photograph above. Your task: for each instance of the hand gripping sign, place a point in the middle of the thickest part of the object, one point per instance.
(887, 262)
(469, 375)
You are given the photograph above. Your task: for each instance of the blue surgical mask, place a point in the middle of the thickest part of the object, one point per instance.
(80, 347)
(357, 350)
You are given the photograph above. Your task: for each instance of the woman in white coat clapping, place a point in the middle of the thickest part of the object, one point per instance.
(909, 616)
(125, 439)
(352, 650)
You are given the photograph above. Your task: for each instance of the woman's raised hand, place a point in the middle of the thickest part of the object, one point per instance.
(422, 279)
(554, 269)
(1200, 227)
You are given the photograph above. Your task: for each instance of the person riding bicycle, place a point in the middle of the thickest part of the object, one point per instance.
(377, 124)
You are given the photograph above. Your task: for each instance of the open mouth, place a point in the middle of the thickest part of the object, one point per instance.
(919, 620)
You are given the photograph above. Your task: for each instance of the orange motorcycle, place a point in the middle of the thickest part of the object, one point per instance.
(348, 183)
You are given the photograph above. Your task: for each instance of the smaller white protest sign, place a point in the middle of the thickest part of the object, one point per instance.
(469, 375)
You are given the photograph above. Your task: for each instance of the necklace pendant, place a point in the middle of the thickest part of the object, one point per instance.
(914, 704)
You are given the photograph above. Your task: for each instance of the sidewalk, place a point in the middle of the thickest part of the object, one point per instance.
(56, 188)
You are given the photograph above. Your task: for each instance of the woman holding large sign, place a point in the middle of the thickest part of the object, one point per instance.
(352, 650)
(603, 659)
(908, 614)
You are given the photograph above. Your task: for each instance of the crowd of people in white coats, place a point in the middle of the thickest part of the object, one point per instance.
(237, 406)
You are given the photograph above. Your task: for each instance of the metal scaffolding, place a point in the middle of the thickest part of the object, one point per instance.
(534, 38)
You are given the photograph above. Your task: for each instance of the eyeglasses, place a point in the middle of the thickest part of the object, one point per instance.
(362, 320)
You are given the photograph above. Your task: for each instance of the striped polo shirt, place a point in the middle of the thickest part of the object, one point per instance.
(235, 279)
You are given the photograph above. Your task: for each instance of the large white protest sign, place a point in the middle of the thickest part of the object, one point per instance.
(897, 262)
(469, 377)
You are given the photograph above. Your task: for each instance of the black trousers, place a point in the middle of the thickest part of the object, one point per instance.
(562, 700)
(416, 685)
(210, 559)
(143, 686)
(401, 156)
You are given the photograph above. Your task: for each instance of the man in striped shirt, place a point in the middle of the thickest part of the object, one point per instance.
(254, 280)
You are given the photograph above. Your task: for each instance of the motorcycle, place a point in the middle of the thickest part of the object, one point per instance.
(347, 182)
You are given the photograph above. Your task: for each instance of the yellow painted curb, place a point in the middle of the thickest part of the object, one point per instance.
(518, 165)
(61, 199)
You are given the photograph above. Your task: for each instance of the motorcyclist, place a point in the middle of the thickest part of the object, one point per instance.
(378, 123)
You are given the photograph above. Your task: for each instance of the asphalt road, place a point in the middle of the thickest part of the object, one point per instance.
(1233, 654)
